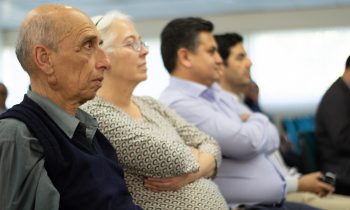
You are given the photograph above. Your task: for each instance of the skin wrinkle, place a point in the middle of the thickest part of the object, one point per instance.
(78, 54)
(80, 40)
(79, 30)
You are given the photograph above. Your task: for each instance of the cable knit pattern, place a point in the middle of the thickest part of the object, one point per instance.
(157, 146)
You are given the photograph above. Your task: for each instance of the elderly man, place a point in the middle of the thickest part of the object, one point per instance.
(51, 154)
(235, 78)
(191, 56)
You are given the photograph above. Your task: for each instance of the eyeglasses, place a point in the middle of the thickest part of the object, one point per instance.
(97, 21)
(136, 45)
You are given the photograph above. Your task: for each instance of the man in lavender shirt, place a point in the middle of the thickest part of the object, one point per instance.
(247, 176)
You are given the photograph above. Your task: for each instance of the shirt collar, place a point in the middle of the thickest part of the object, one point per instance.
(189, 87)
(237, 97)
(192, 88)
(67, 123)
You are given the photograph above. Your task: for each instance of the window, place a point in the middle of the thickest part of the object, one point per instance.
(13, 76)
(294, 68)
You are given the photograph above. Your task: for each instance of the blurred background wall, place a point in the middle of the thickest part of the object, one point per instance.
(297, 50)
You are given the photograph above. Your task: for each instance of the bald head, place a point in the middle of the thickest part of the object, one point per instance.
(45, 25)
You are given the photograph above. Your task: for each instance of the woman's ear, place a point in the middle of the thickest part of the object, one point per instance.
(183, 55)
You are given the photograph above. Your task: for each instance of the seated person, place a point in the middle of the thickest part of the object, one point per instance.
(333, 131)
(52, 156)
(235, 79)
(247, 176)
(168, 163)
(3, 97)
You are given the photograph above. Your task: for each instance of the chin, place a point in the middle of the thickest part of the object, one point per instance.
(143, 78)
(87, 98)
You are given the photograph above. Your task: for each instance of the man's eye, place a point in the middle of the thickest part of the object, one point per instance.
(88, 44)
(212, 51)
(240, 58)
(129, 44)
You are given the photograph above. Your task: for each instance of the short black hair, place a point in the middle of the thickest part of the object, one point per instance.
(181, 32)
(225, 42)
(347, 64)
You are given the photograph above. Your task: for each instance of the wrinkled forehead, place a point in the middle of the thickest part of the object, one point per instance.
(73, 23)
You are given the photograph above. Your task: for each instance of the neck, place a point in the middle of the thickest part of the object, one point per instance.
(70, 106)
(185, 74)
(231, 88)
(119, 95)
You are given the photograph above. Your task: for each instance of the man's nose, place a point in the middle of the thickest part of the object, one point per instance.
(102, 60)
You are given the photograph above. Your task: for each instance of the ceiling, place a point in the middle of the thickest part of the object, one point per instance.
(12, 12)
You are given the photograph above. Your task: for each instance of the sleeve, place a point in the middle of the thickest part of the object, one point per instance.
(191, 135)
(24, 183)
(140, 149)
(237, 139)
(292, 183)
(290, 174)
(335, 116)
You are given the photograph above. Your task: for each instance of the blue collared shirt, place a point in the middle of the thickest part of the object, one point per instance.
(247, 175)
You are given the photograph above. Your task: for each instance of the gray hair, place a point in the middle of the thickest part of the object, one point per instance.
(40, 29)
(104, 23)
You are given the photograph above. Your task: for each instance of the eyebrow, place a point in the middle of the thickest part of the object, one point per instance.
(133, 37)
(88, 38)
(214, 48)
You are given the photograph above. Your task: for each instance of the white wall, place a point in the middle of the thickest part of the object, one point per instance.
(252, 24)
(248, 24)
(262, 21)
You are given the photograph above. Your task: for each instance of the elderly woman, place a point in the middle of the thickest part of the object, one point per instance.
(168, 163)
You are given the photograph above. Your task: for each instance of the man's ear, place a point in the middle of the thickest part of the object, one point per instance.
(184, 57)
(42, 59)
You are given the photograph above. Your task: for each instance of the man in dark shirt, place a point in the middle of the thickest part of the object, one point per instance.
(52, 156)
(333, 131)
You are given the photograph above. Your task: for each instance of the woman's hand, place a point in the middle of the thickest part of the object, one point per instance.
(169, 184)
(206, 169)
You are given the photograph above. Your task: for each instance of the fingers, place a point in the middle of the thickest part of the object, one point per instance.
(318, 174)
(161, 186)
(158, 182)
(326, 187)
(244, 117)
(195, 152)
(164, 184)
(158, 179)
